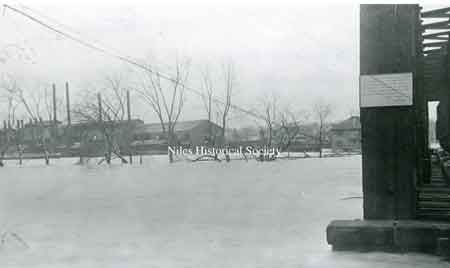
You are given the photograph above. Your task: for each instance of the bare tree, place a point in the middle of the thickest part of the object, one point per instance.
(223, 109)
(269, 115)
(8, 93)
(290, 127)
(38, 103)
(106, 113)
(166, 97)
(31, 100)
(207, 99)
(321, 111)
(34, 100)
(222, 104)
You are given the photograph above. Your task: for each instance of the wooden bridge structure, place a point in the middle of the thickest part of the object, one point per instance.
(404, 64)
(397, 164)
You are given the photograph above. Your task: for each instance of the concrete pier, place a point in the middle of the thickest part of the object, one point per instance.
(389, 236)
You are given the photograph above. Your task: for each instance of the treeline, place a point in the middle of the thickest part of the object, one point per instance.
(32, 113)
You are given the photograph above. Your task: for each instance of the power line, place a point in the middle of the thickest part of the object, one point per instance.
(65, 26)
(123, 58)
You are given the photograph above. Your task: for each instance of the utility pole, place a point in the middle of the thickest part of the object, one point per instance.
(68, 132)
(54, 104)
(68, 104)
(99, 99)
(128, 106)
(129, 126)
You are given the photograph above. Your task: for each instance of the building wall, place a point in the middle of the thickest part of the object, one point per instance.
(202, 131)
(88, 138)
(188, 137)
(346, 140)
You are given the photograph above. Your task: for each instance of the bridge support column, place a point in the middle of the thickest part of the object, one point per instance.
(388, 44)
(392, 134)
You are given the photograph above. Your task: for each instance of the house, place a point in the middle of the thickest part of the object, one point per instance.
(89, 136)
(94, 130)
(196, 132)
(92, 137)
(295, 137)
(37, 132)
(63, 138)
(248, 135)
(299, 137)
(7, 138)
(346, 135)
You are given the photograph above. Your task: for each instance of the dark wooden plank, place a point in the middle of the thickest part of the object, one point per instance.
(436, 13)
(437, 52)
(434, 53)
(433, 71)
(437, 25)
(435, 44)
(434, 67)
(434, 205)
(433, 60)
(444, 38)
(431, 35)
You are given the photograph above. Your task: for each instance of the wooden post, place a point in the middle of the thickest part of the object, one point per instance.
(128, 106)
(68, 104)
(19, 147)
(68, 132)
(99, 100)
(20, 151)
(46, 157)
(388, 42)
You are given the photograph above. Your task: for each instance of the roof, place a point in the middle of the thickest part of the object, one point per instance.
(86, 123)
(352, 123)
(44, 123)
(180, 126)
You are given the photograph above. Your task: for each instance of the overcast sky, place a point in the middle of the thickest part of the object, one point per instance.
(302, 52)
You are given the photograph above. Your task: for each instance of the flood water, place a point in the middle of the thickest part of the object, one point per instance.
(203, 214)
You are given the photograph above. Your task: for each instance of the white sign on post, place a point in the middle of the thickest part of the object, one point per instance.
(386, 90)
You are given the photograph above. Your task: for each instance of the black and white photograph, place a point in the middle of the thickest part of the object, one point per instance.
(223, 134)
